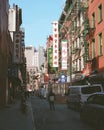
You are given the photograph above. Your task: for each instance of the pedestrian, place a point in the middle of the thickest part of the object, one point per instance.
(43, 92)
(51, 100)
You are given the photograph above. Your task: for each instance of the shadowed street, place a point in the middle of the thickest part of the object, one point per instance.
(60, 119)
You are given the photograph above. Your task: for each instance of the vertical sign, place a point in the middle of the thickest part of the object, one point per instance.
(22, 47)
(55, 44)
(50, 56)
(64, 54)
(17, 49)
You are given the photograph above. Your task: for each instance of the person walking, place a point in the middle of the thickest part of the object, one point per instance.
(51, 100)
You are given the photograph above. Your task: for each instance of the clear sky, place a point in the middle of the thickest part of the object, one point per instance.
(37, 16)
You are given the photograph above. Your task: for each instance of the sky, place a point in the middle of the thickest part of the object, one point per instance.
(37, 18)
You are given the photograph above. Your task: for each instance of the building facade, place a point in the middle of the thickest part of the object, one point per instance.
(33, 69)
(41, 51)
(17, 68)
(36, 60)
(95, 38)
(71, 28)
(81, 24)
(12, 59)
(4, 51)
(29, 53)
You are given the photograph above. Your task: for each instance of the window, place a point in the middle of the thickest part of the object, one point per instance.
(100, 44)
(99, 99)
(99, 13)
(93, 48)
(93, 20)
(90, 90)
(91, 98)
(86, 51)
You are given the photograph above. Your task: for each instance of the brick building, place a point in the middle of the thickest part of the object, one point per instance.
(95, 40)
(85, 35)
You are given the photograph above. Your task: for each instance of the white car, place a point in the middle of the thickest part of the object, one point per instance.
(79, 94)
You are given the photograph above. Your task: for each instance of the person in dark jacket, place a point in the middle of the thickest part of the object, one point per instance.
(51, 100)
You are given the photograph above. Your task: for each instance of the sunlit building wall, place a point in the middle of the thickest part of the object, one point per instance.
(30, 63)
(41, 51)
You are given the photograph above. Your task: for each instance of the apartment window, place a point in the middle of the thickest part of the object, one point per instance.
(100, 44)
(99, 13)
(93, 48)
(93, 20)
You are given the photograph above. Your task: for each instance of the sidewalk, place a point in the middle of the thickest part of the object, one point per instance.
(12, 118)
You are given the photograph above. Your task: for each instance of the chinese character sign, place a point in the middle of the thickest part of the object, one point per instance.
(64, 54)
(55, 44)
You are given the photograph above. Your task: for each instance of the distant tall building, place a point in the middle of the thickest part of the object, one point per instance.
(32, 64)
(29, 53)
(41, 51)
(36, 60)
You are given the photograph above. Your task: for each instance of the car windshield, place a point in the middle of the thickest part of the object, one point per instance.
(96, 99)
(90, 90)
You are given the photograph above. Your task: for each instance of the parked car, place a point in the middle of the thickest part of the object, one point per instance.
(79, 94)
(92, 110)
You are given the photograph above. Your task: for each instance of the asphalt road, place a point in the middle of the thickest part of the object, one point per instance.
(60, 119)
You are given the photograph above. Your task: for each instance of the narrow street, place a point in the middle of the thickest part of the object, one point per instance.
(60, 119)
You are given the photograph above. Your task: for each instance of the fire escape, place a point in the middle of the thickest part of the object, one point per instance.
(88, 32)
(76, 30)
